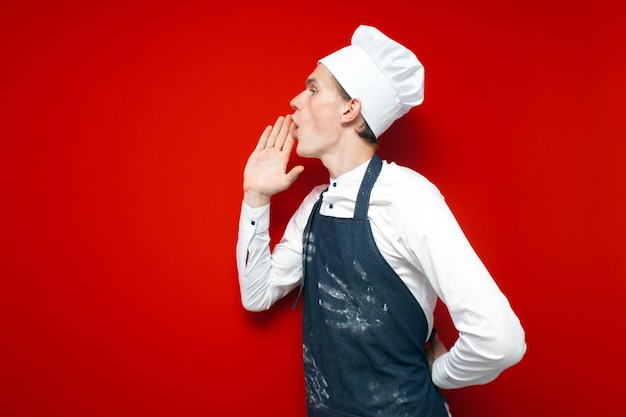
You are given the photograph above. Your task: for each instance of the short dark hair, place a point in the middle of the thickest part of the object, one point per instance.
(364, 131)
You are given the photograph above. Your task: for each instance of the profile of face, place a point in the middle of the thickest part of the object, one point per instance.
(317, 114)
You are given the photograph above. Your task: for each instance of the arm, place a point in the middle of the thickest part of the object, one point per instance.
(265, 277)
(491, 338)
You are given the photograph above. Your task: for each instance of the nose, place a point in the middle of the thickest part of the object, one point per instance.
(295, 102)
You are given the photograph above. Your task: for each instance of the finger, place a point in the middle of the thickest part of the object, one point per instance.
(289, 143)
(284, 132)
(263, 139)
(271, 140)
(292, 127)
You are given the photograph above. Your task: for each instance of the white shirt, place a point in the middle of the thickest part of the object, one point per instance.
(421, 240)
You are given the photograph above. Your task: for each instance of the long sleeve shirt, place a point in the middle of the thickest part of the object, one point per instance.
(421, 240)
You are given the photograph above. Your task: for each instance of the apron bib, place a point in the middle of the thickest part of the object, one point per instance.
(363, 331)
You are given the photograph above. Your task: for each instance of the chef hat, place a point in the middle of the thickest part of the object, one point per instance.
(385, 76)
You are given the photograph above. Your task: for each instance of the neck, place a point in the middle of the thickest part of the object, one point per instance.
(339, 163)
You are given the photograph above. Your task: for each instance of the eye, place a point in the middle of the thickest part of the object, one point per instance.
(312, 91)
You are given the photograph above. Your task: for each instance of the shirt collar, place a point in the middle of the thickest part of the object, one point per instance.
(356, 175)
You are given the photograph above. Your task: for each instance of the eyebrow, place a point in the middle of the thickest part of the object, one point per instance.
(310, 81)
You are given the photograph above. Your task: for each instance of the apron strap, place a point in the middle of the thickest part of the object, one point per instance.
(363, 198)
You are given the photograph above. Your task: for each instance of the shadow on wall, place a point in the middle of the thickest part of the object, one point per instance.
(408, 142)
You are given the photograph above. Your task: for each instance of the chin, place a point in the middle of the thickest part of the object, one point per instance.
(306, 152)
(302, 153)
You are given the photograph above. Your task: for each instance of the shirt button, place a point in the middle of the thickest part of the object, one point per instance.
(252, 222)
(334, 184)
(330, 206)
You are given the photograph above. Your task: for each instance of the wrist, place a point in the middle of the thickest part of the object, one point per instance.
(255, 198)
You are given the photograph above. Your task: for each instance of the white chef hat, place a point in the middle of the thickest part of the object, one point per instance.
(385, 76)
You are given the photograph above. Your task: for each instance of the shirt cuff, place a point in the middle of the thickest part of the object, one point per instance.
(254, 220)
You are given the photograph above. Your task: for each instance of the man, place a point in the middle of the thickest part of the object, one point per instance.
(371, 251)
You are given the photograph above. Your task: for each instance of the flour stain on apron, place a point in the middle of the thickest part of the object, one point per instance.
(347, 310)
(315, 382)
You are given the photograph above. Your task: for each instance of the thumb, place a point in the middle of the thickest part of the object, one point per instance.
(294, 173)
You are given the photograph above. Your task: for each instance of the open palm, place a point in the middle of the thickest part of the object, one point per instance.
(266, 173)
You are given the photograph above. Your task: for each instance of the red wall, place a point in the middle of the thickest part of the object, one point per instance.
(124, 134)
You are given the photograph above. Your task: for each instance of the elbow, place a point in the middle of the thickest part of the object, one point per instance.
(512, 355)
(517, 350)
(477, 359)
(253, 305)
(511, 347)
(249, 307)
(517, 344)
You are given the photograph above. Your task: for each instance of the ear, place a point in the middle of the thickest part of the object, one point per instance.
(352, 110)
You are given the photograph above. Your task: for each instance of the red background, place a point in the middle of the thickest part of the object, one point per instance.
(125, 129)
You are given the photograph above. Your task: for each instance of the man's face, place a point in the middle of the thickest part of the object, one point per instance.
(317, 115)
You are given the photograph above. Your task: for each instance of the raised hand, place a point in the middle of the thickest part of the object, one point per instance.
(266, 173)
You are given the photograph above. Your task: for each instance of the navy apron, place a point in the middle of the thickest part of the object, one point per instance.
(363, 331)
